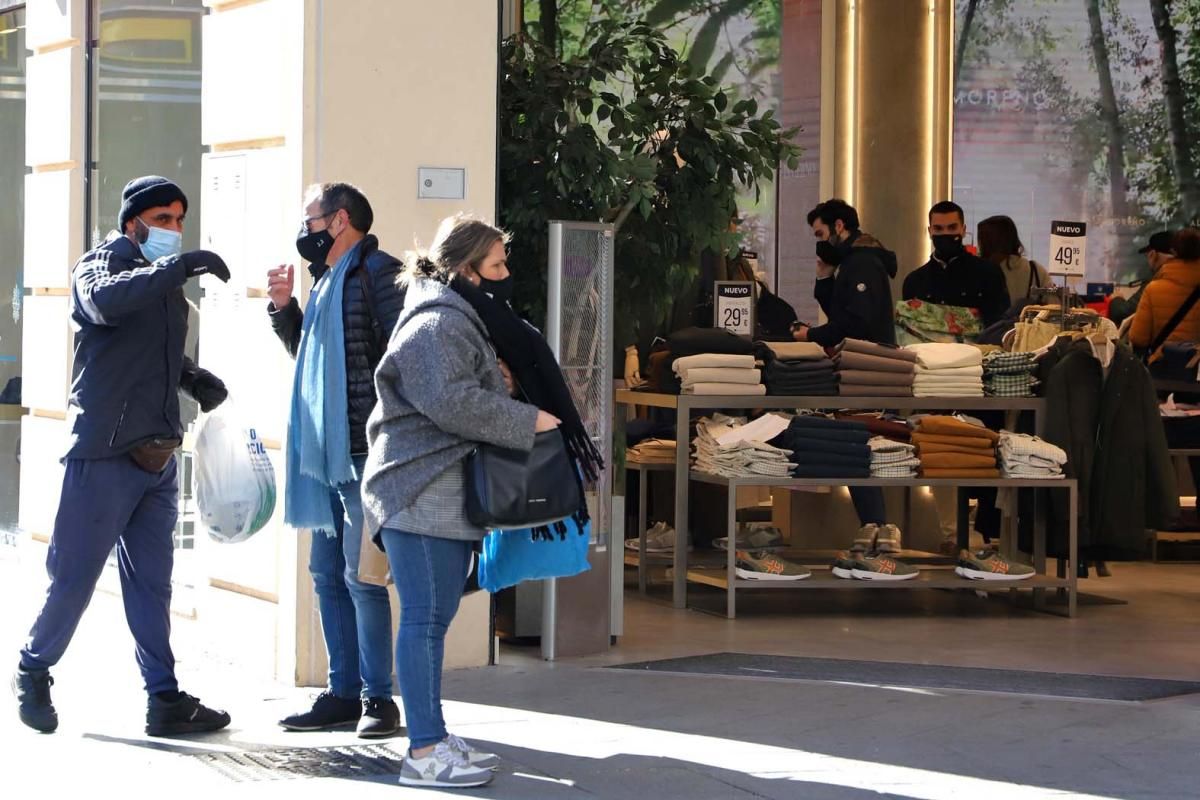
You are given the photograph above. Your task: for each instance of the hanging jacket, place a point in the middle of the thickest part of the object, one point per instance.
(1116, 448)
(364, 344)
(1161, 298)
(857, 300)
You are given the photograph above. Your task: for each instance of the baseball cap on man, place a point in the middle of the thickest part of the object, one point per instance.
(1160, 242)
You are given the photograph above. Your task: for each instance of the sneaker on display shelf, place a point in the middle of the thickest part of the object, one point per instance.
(659, 539)
(879, 567)
(760, 565)
(843, 565)
(753, 536)
(986, 565)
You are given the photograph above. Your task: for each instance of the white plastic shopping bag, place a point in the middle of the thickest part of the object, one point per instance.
(234, 478)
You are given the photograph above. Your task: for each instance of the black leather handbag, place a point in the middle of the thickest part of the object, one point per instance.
(510, 489)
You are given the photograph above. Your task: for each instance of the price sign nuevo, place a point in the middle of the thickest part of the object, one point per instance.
(733, 307)
(1068, 247)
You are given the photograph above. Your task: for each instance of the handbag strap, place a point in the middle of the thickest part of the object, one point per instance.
(1173, 322)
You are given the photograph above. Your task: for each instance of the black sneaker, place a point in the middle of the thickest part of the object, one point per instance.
(380, 718)
(184, 715)
(328, 712)
(32, 690)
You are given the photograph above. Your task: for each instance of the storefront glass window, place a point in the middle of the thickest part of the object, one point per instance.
(12, 224)
(146, 121)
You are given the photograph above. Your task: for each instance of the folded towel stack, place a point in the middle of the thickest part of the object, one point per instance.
(948, 447)
(1009, 374)
(719, 374)
(946, 369)
(797, 368)
(892, 459)
(866, 369)
(826, 448)
(1025, 456)
(651, 451)
(740, 458)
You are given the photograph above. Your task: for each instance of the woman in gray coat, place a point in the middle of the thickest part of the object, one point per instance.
(441, 391)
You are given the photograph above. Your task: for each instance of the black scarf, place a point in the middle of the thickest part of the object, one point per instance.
(536, 374)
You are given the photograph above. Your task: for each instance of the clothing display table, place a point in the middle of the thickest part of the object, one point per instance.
(726, 579)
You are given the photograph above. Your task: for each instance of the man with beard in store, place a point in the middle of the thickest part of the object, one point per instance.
(953, 276)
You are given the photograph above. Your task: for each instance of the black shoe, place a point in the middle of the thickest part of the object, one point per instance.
(184, 715)
(380, 718)
(32, 690)
(328, 711)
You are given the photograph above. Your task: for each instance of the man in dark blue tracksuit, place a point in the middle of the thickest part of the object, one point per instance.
(121, 485)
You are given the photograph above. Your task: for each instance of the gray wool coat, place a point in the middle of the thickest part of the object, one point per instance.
(440, 394)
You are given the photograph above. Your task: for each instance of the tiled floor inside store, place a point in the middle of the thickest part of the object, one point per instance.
(576, 729)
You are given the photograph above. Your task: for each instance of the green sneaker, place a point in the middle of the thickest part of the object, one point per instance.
(879, 567)
(887, 539)
(759, 565)
(987, 565)
(865, 540)
(843, 565)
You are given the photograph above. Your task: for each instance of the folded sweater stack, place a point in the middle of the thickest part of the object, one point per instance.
(719, 374)
(1009, 374)
(826, 448)
(947, 370)
(866, 369)
(651, 451)
(738, 458)
(797, 368)
(948, 447)
(1025, 456)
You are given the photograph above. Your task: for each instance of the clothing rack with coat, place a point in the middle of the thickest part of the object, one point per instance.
(1106, 418)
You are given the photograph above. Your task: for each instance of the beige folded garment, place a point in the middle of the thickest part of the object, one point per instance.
(881, 350)
(726, 388)
(942, 391)
(848, 359)
(950, 372)
(796, 351)
(682, 365)
(944, 355)
(874, 378)
(719, 375)
(865, 390)
(969, 383)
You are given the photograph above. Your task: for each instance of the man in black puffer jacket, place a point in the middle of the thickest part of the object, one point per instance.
(355, 616)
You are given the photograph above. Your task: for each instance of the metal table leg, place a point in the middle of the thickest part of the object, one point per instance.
(682, 536)
(643, 480)
(731, 553)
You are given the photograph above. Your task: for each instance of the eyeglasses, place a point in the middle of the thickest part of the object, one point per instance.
(307, 222)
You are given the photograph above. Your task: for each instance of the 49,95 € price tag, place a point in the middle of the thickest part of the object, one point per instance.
(1068, 248)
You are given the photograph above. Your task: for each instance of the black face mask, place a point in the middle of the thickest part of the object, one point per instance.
(829, 253)
(501, 290)
(948, 246)
(313, 247)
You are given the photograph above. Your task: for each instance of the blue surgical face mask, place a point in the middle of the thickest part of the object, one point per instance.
(160, 242)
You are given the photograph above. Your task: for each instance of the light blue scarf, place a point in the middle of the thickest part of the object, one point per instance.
(318, 444)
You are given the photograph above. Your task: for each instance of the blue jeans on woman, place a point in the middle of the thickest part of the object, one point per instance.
(430, 575)
(356, 617)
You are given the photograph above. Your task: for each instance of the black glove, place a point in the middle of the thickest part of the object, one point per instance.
(206, 389)
(201, 262)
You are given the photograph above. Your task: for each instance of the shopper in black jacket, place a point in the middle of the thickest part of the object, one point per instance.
(355, 616)
(953, 276)
(854, 273)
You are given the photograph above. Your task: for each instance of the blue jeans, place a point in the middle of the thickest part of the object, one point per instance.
(106, 502)
(356, 617)
(430, 575)
(868, 502)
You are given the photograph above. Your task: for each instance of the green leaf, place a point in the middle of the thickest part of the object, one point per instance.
(602, 112)
(585, 106)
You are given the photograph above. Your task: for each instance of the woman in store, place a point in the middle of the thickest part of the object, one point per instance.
(441, 391)
(1000, 244)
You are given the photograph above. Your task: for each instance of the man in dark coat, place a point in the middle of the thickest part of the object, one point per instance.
(355, 616)
(121, 485)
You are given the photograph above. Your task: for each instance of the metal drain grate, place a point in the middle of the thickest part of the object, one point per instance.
(363, 761)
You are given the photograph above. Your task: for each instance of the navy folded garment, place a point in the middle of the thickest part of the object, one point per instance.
(799, 367)
(799, 390)
(809, 459)
(825, 423)
(807, 444)
(830, 471)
